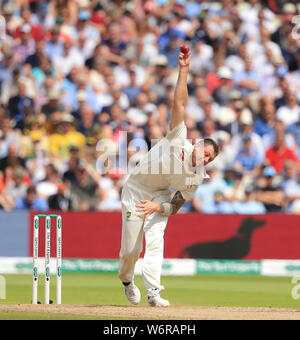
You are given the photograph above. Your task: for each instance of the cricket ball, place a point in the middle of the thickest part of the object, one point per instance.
(184, 49)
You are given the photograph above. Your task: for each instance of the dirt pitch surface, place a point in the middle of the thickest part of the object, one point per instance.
(169, 313)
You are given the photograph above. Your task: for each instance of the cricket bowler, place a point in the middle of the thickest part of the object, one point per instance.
(172, 165)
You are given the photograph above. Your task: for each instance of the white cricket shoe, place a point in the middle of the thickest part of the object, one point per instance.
(154, 299)
(132, 293)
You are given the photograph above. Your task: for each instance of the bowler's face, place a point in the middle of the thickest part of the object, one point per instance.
(203, 155)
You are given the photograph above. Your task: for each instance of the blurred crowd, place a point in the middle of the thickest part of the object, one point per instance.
(83, 79)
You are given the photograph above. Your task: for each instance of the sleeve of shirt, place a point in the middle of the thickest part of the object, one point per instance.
(288, 189)
(41, 204)
(179, 133)
(256, 78)
(20, 204)
(188, 194)
(290, 129)
(237, 77)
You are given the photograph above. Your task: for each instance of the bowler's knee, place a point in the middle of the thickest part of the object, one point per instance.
(130, 255)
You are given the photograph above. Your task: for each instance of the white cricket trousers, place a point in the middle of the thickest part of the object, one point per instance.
(133, 230)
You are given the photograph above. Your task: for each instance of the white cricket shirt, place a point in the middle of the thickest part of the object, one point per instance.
(167, 166)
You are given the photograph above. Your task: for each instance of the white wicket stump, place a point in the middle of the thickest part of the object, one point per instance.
(58, 259)
(47, 258)
(35, 260)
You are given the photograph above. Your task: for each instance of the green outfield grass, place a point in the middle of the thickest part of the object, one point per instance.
(105, 289)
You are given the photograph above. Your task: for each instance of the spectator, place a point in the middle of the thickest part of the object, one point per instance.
(171, 32)
(27, 19)
(73, 166)
(53, 105)
(26, 45)
(48, 186)
(269, 193)
(294, 130)
(208, 128)
(289, 113)
(220, 205)
(171, 50)
(205, 195)
(293, 76)
(77, 89)
(54, 46)
(249, 205)
(65, 136)
(18, 187)
(235, 115)
(34, 60)
(279, 153)
(6, 69)
(86, 121)
(114, 40)
(285, 90)
(265, 124)
(12, 159)
(19, 104)
(81, 97)
(120, 98)
(202, 57)
(61, 201)
(209, 121)
(8, 135)
(132, 90)
(235, 185)
(69, 59)
(197, 103)
(203, 32)
(292, 190)
(288, 174)
(84, 191)
(110, 199)
(43, 71)
(227, 152)
(6, 202)
(248, 157)
(247, 80)
(257, 141)
(236, 62)
(88, 33)
(96, 75)
(119, 121)
(279, 127)
(137, 114)
(222, 93)
(31, 201)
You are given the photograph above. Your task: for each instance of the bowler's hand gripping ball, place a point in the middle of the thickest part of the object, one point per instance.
(184, 49)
